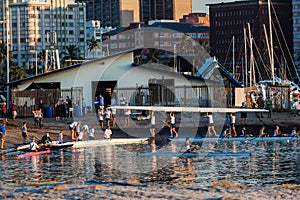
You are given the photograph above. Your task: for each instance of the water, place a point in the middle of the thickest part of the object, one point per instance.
(271, 164)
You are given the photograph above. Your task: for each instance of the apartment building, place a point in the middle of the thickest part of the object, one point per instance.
(37, 25)
(114, 13)
(164, 9)
(296, 33)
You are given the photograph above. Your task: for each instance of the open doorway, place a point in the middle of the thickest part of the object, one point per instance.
(105, 88)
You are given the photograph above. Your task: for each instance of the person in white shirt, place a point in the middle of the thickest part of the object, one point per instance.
(232, 124)
(108, 133)
(83, 106)
(80, 136)
(152, 128)
(75, 129)
(211, 125)
(91, 133)
(34, 146)
(173, 128)
(122, 100)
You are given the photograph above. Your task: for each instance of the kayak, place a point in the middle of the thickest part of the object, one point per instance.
(34, 153)
(197, 154)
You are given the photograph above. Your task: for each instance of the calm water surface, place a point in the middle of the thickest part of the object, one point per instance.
(270, 164)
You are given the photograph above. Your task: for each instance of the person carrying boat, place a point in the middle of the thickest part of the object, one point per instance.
(33, 146)
(46, 140)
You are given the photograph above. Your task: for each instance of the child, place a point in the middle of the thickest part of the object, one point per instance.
(60, 137)
(24, 132)
(108, 133)
(35, 116)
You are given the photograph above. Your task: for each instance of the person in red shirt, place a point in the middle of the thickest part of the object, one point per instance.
(14, 110)
(4, 111)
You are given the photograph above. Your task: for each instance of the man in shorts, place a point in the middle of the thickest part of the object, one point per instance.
(2, 133)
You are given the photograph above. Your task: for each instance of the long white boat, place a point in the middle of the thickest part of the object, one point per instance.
(106, 142)
(240, 139)
(103, 142)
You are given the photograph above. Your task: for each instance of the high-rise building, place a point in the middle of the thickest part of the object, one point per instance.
(113, 13)
(296, 38)
(229, 20)
(164, 9)
(201, 18)
(37, 25)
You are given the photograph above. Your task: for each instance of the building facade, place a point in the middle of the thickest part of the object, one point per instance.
(296, 38)
(35, 26)
(232, 18)
(201, 18)
(113, 13)
(164, 9)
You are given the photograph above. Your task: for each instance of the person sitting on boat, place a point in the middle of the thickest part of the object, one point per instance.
(46, 140)
(277, 132)
(33, 146)
(262, 132)
(60, 137)
(294, 132)
(108, 133)
(243, 132)
(189, 146)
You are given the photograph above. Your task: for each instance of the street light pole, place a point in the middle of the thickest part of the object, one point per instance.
(7, 67)
(7, 64)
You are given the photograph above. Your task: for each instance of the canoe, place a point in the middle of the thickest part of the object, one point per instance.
(196, 154)
(34, 153)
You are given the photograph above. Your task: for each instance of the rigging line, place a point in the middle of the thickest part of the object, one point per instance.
(281, 49)
(267, 69)
(258, 71)
(289, 53)
(228, 50)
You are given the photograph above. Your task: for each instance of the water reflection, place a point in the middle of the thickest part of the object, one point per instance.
(270, 164)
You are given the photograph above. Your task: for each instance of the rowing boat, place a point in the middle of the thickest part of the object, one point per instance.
(34, 153)
(106, 142)
(239, 139)
(196, 154)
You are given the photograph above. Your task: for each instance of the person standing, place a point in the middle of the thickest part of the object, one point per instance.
(232, 124)
(2, 133)
(122, 100)
(57, 108)
(14, 110)
(63, 111)
(244, 114)
(40, 117)
(60, 137)
(24, 132)
(260, 104)
(101, 101)
(211, 125)
(70, 107)
(173, 128)
(41, 105)
(4, 111)
(127, 113)
(83, 106)
(96, 104)
(152, 128)
(269, 105)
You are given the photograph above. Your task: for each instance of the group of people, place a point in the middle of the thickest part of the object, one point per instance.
(63, 109)
(13, 110)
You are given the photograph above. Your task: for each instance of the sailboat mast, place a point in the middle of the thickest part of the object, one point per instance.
(246, 62)
(271, 43)
(251, 68)
(233, 58)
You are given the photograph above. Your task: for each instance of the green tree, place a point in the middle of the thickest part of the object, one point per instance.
(93, 44)
(72, 54)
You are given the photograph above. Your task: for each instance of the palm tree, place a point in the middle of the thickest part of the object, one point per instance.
(93, 44)
(72, 53)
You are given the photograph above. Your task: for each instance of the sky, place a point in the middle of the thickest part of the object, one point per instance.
(199, 5)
